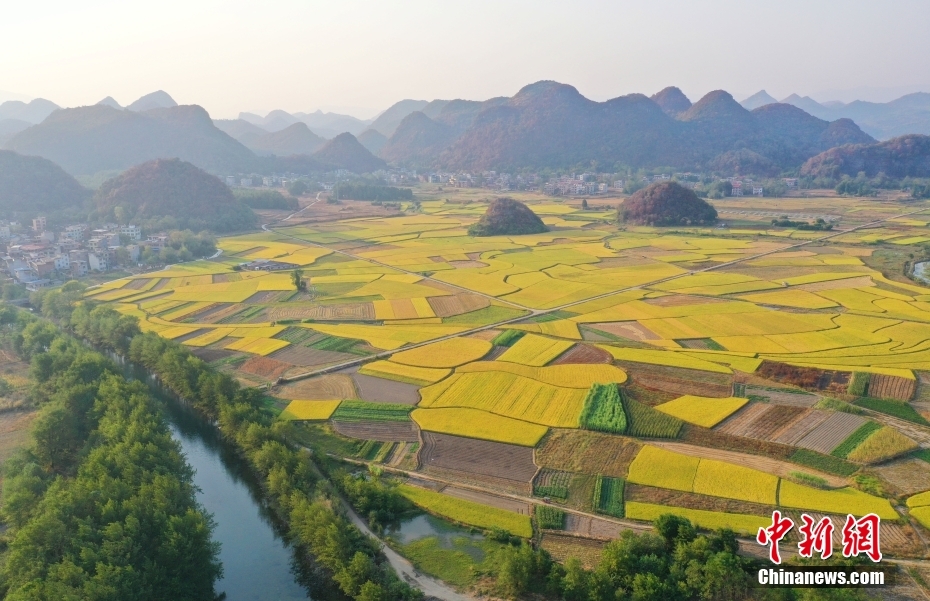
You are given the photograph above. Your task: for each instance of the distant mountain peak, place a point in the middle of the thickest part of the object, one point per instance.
(714, 105)
(158, 99)
(672, 100)
(548, 90)
(346, 152)
(110, 101)
(760, 98)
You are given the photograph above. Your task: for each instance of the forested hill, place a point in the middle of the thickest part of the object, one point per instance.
(548, 124)
(906, 156)
(32, 185)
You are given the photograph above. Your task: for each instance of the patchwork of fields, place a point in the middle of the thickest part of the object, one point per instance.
(546, 364)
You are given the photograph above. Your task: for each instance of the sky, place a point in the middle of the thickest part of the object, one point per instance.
(361, 56)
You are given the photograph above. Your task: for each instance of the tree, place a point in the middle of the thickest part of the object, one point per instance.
(584, 203)
(297, 278)
(298, 188)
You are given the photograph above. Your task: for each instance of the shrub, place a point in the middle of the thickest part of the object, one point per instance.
(508, 337)
(266, 199)
(603, 410)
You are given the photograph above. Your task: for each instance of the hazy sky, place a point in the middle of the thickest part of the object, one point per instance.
(300, 55)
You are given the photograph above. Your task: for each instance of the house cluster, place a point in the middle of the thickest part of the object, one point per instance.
(745, 186)
(38, 256)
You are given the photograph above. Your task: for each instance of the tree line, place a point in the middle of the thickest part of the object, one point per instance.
(306, 503)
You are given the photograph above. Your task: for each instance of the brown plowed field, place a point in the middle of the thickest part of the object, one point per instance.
(265, 367)
(891, 387)
(809, 378)
(136, 284)
(587, 452)
(504, 503)
(630, 330)
(377, 430)
(800, 428)
(265, 296)
(193, 334)
(768, 425)
(506, 485)
(829, 434)
(909, 476)
(321, 388)
(220, 313)
(688, 500)
(720, 440)
(456, 304)
(380, 390)
(589, 527)
(758, 462)
(583, 353)
(649, 378)
(497, 460)
(162, 282)
(736, 423)
(306, 356)
(339, 312)
(784, 398)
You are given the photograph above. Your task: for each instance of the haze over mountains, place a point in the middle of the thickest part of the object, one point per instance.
(545, 125)
(909, 114)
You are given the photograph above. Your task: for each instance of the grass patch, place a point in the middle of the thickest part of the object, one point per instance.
(898, 409)
(455, 561)
(556, 487)
(883, 444)
(508, 337)
(837, 405)
(858, 383)
(354, 411)
(608, 496)
(603, 410)
(480, 317)
(468, 512)
(808, 479)
(324, 440)
(823, 463)
(549, 517)
(855, 439)
(336, 344)
(923, 454)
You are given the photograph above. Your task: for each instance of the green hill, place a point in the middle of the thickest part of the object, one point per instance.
(506, 216)
(176, 195)
(32, 185)
(666, 203)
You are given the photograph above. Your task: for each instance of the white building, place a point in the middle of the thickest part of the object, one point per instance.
(133, 232)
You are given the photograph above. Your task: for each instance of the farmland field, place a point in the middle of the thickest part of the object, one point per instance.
(586, 361)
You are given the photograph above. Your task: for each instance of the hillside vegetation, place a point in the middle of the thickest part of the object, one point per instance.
(666, 203)
(906, 156)
(32, 185)
(506, 216)
(346, 152)
(173, 190)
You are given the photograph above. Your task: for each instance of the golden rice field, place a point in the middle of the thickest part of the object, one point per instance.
(419, 279)
(710, 520)
(703, 411)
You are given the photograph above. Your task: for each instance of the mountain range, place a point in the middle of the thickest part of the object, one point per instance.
(909, 114)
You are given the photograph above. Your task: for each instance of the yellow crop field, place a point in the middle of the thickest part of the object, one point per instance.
(709, 520)
(446, 353)
(473, 423)
(309, 410)
(841, 501)
(721, 479)
(567, 376)
(535, 350)
(919, 500)
(256, 331)
(790, 298)
(671, 359)
(657, 467)
(274, 281)
(746, 362)
(922, 515)
(173, 332)
(258, 346)
(468, 512)
(420, 376)
(214, 335)
(562, 328)
(884, 443)
(703, 411)
(512, 396)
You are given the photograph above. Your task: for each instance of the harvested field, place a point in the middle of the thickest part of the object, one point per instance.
(783, 398)
(588, 527)
(220, 312)
(638, 493)
(831, 432)
(190, 335)
(379, 390)
(909, 476)
(583, 354)
(630, 330)
(757, 462)
(860, 282)
(265, 296)
(561, 547)
(800, 428)
(467, 264)
(682, 300)
(161, 284)
(265, 367)
(456, 304)
(307, 357)
(488, 499)
(326, 387)
(587, 452)
(760, 421)
(696, 343)
(211, 354)
(136, 284)
(336, 312)
(382, 431)
(502, 465)
(809, 378)
(891, 387)
(720, 440)
(488, 335)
